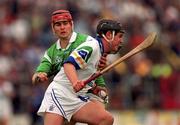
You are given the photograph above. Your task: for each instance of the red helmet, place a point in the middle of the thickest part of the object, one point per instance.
(60, 15)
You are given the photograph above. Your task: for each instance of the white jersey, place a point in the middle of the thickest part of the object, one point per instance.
(60, 97)
(85, 58)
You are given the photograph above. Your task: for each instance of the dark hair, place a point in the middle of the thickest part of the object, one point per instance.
(108, 25)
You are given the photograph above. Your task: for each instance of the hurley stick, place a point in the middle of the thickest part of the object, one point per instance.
(145, 44)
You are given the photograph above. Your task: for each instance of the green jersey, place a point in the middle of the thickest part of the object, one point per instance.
(55, 56)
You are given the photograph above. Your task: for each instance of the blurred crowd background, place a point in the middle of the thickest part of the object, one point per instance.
(148, 80)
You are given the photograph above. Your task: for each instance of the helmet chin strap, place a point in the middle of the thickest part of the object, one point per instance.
(110, 40)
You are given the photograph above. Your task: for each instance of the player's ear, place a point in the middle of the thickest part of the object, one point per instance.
(109, 35)
(52, 27)
(72, 23)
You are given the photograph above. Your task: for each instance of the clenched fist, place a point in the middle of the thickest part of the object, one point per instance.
(39, 77)
(78, 86)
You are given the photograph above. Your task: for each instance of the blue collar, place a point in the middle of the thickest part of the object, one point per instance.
(100, 44)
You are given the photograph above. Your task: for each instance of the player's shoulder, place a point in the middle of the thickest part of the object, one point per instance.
(88, 42)
(92, 42)
(91, 39)
(81, 34)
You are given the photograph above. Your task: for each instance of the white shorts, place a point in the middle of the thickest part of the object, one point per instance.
(94, 97)
(61, 100)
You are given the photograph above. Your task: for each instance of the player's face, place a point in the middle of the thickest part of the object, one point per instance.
(63, 29)
(117, 42)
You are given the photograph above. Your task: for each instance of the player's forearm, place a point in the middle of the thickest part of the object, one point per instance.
(70, 71)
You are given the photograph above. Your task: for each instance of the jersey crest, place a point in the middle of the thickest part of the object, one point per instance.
(58, 60)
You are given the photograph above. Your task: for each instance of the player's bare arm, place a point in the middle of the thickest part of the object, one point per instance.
(70, 71)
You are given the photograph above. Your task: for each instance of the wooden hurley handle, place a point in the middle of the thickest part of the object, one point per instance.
(93, 77)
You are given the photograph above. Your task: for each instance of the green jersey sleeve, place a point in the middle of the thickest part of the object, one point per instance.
(46, 63)
(100, 81)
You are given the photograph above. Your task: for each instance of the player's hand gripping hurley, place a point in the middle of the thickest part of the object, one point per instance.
(145, 44)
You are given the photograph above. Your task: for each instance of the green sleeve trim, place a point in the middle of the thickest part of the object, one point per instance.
(81, 38)
(88, 50)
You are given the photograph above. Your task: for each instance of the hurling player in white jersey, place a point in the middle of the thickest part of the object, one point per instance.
(65, 97)
(68, 40)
